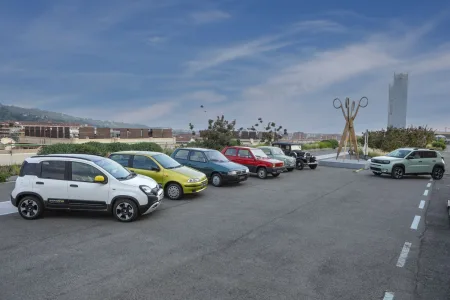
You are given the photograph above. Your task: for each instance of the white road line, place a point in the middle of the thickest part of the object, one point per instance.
(422, 204)
(7, 208)
(425, 193)
(388, 296)
(404, 255)
(429, 184)
(431, 179)
(415, 222)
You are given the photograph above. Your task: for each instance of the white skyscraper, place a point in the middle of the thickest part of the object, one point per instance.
(398, 101)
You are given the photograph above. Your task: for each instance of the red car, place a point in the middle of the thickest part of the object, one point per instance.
(255, 160)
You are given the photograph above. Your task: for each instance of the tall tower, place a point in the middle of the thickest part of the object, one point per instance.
(398, 101)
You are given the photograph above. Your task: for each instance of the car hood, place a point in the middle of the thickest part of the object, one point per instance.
(386, 158)
(188, 172)
(270, 160)
(229, 165)
(140, 180)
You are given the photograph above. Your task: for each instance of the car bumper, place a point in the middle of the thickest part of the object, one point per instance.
(234, 178)
(13, 200)
(197, 187)
(386, 169)
(276, 170)
(153, 203)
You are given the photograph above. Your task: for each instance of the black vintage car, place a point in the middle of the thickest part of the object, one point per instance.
(295, 150)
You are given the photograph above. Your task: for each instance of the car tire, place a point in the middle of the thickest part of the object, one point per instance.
(438, 173)
(30, 208)
(376, 173)
(312, 167)
(216, 179)
(125, 210)
(262, 173)
(290, 169)
(174, 191)
(275, 174)
(299, 165)
(397, 173)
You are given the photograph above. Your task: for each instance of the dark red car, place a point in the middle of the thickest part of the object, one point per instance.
(255, 160)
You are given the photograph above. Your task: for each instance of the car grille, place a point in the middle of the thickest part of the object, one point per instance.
(375, 169)
(376, 161)
(240, 172)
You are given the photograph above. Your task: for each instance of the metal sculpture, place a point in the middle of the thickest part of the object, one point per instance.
(349, 130)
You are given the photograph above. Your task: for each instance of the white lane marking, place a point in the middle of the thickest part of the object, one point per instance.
(431, 179)
(388, 296)
(425, 193)
(7, 208)
(404, 254)
(429, 184)
(415, 222)
(422, 204)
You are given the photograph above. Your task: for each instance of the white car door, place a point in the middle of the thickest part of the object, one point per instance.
(84, 193)
(51, 184)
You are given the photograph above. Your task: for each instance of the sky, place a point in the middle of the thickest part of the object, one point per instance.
(156, 62)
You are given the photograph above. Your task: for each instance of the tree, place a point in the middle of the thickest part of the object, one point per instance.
(271, 132)
(220, 133)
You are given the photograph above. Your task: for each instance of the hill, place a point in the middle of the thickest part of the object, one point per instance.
(15, 113)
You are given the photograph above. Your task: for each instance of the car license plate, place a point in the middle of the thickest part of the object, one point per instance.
(241, 177)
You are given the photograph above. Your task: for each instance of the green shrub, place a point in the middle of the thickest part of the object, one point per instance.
(95, 148)
(8, 171)
(439, 144)
(333, 143)
(4, 176)
(394, 138)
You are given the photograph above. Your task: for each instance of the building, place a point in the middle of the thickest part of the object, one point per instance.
(398, 100)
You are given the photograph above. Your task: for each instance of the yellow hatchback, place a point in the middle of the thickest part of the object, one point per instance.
(175, 178)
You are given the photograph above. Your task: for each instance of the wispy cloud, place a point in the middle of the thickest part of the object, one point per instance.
(264, 44)
(209, 16)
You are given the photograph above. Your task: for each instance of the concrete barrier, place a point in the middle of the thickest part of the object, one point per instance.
(15, 158)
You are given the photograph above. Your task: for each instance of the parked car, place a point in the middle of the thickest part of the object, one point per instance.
(175, 178)
(406, 161)
(295, 150)
(83, 182)
(254, 159)
(277, 153)
(214, 164)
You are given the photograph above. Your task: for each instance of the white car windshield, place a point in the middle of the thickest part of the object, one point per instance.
(258, 153)
(399, 153)
(277, 151)
(114, 168)
(166, 161)
(296, 147)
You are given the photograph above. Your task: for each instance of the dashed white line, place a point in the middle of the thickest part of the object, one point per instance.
(415, 222)
(422, 204)
(388, 296)
(425, 193)
(429, 184)
(404, 254)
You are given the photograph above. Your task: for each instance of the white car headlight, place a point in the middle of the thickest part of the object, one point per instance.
(146, 189)
(247, 170)
(232, 173)
(193, 180)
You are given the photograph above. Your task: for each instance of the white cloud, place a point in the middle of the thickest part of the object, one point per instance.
(209, 16)
(265, 44)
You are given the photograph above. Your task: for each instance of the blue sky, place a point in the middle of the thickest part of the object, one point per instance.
(155, 62)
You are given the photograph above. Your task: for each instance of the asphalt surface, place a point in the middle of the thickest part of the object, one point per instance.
(327, 233)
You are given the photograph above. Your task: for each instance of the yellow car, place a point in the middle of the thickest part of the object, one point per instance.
(175, 178)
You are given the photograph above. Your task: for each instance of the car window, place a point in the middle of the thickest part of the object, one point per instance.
(144, 163)
(114, 168)
(416, 155)
(197, 156)
(182, 154)
(31, 169)
(53, 169)
(121, 159)
(277, 151)
(231, 152)
(266, 151)
(84, 172)
(244, 153)
(166, 161)
(429, 154)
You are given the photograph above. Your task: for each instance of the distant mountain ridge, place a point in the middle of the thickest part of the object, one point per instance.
(15, 113)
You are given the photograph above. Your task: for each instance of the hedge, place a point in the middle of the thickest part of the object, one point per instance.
(96, 148)
(8, 171)
(394, 138)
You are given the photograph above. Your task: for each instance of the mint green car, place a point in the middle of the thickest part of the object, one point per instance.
(277, 153)
(409, 161)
